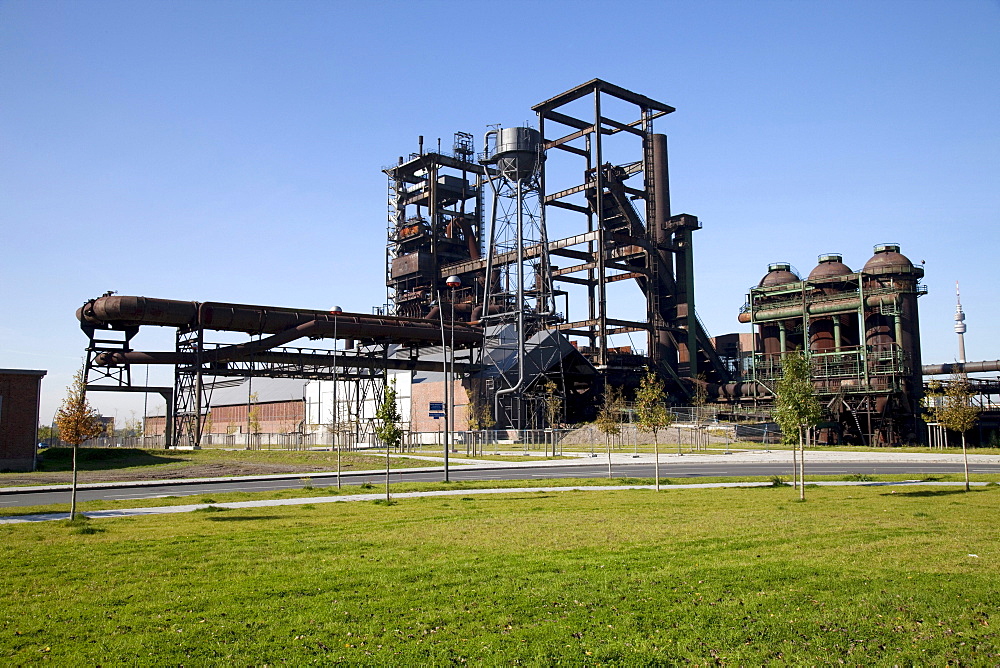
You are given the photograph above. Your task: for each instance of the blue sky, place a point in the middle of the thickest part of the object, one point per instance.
(231, 151)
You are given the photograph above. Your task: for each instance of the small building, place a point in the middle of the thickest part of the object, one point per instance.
(20, 391)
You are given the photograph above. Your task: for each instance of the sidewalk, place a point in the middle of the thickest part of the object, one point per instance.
(583, 459)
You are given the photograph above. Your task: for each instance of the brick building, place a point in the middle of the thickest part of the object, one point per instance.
(278, 405)
(20, 391)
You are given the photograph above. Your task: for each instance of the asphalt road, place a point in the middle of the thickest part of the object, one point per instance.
(599, 469)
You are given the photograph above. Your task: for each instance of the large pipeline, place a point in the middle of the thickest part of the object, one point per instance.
(737, 391)
(782, 313)
(118, 312)
(959, 367)
(272, 357)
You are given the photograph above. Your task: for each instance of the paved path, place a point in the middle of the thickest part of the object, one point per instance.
(164, 510)
(582, 460)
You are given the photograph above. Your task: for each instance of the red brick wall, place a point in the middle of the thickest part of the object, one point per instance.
(19, 394)
(424, 393)
(279, 417)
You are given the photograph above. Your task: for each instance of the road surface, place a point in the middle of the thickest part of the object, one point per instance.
(623, 466)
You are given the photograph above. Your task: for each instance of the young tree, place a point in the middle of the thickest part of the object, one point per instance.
(134, 426)
(253, 421)
(796, 408)
(553, 409)
(958, 413)
(652, 413)
(387, 428)
(77, 422)
(480, 415)
(608, 418)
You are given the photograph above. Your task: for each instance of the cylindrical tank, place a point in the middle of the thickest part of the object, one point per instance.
(778, 273)
(770, 339)
(830, 265)
(517, 152)
(849, 330)
(891, 273)
(888, 269)
(878, 331)
(821, 337)
(888, 260)
(821, 329)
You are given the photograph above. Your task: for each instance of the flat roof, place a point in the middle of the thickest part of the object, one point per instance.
(23, 372)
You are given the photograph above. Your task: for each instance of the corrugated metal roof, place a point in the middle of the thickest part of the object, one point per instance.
(234, 391)
(268, 390)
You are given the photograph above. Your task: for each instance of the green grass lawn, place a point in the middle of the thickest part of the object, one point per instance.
(723, 576)
(152, 464)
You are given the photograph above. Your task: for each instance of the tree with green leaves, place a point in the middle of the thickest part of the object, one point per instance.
(652, 414)
(958, 413)
(134, 426)
(609, 418)
(796, 408)
(387, 426)
(48, 434)
(78, 421)
(253, 416)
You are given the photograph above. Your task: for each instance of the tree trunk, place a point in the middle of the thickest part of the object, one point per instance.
(802, 467)
(72, 503)
(387, 473)
(656, 460)
(965, 458)
(795, 467)
(607, 439)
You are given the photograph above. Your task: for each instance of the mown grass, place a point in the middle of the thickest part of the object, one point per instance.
(733, 577)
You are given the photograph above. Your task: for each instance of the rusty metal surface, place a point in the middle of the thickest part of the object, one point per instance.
(341, 360)
(959, 367)
(118, 312)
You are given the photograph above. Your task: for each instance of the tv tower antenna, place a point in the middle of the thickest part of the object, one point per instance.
(960, 324)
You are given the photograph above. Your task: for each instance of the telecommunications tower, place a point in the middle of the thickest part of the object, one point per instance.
(960, 324)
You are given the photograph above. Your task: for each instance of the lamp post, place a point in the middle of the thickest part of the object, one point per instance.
(439, 303)
(336, 310)
(452, 282)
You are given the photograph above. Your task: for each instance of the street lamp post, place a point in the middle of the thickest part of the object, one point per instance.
(444, 355)
(336, 310)
(452, 282)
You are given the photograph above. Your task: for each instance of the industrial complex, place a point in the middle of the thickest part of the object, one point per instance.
(499, 261)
